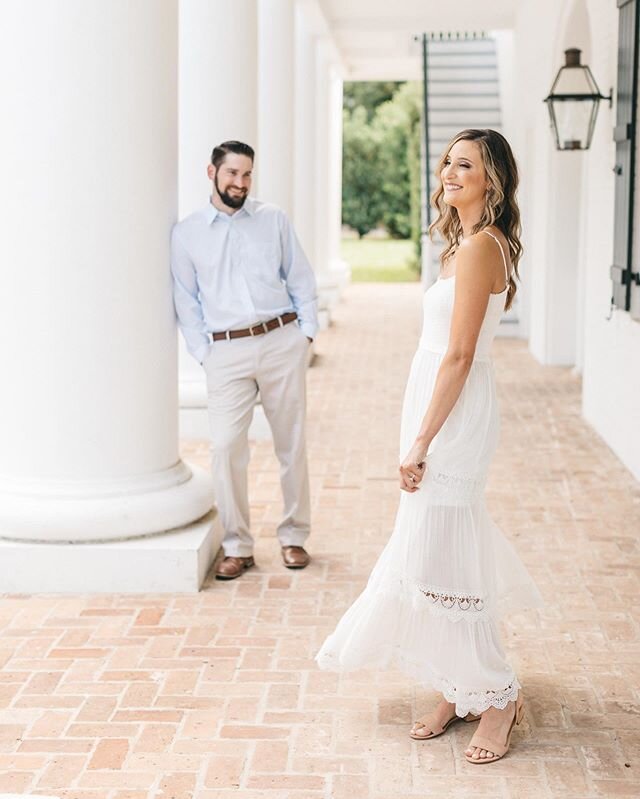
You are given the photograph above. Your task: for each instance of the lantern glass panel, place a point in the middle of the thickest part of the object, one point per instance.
(574, 122)
(575, 80)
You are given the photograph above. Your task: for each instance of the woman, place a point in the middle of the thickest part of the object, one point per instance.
(433, 600)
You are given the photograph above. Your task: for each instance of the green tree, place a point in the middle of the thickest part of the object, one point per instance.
(398, 122)
(368, 94)
(409, 96)
(381, 159)
(361, 200)
(391, 124)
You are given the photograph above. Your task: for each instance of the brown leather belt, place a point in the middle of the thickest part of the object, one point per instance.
(257, 330)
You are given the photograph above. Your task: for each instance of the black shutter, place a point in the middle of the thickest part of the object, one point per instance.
(625, 137)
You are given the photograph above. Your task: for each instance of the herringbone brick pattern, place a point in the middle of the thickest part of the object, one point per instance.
(216, 695)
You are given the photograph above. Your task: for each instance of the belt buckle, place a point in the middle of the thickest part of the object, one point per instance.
(263, 325)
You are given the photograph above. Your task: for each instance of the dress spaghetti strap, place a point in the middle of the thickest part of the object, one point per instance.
(504, 260)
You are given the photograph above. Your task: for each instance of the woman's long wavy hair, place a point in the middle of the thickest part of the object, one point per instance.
(501, 208)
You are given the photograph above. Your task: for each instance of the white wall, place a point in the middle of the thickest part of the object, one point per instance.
(567, 203)
(552, 195)
(611, 388)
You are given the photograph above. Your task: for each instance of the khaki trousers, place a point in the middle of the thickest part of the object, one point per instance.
(273, 364)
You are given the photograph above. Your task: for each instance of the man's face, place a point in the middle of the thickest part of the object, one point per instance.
(232, 179)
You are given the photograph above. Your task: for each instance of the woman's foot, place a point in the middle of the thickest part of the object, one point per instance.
(437, 722)
(493, 737)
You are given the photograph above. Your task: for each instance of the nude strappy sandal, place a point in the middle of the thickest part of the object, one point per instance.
(499, 749)
(438, 729)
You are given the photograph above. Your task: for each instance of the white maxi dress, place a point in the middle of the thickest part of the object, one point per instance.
(433, 600)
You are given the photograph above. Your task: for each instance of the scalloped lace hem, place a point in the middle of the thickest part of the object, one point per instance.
(476, 702)
(465, 701)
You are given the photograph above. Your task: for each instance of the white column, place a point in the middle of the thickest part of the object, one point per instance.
(275, 101)
(218, 87)
(218, 101)
(304, 146)
(325, 177)
(88, 410)
(338, 268)
(323, 66)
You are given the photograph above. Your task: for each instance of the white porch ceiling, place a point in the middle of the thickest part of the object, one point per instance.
(376, 37)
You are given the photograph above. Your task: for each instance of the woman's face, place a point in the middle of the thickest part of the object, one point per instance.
(464, 178)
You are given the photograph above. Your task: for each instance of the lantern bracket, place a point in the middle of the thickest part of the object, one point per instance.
(574, 84)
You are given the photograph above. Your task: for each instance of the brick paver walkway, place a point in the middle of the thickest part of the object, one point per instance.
(216, 695)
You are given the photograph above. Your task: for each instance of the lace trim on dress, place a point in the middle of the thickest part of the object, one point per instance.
(454, 605)
(476, 702)
(465, 701)
(462, 488)
(452, 601)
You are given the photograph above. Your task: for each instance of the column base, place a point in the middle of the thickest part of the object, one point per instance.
(173, 562)
(331, 284)
(430, 266)
(324, 318)
(341, 272)
(328, 292)
(72, 511)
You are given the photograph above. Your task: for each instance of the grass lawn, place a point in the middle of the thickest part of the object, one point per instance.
(380, 260)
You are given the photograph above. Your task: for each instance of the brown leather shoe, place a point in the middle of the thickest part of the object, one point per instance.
(295, 557)
(230, 567)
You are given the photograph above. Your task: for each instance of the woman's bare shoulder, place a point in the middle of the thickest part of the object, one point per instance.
(476, 263)
(476, 249)
(480, 242)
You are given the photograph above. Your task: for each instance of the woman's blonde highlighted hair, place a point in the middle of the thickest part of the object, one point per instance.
(501, 208)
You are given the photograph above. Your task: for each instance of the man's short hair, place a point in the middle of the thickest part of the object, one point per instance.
(237, 147)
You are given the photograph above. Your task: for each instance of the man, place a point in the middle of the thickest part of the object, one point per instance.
(245, 297)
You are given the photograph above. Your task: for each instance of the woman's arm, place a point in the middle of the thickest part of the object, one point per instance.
(475, 280)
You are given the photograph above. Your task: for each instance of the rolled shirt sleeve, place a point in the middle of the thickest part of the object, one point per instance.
(185, 298)
(299, 278)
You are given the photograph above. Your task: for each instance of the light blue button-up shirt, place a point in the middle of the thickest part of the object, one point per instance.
(233, 271)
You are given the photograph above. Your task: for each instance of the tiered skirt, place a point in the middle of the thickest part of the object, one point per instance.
(447, 574)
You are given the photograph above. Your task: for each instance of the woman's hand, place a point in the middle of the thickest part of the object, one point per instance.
(413, 469)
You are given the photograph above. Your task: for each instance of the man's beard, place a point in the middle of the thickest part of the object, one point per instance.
(229, 200)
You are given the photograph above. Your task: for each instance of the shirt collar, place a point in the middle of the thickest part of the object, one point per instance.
(211, 212)
(249, 206)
